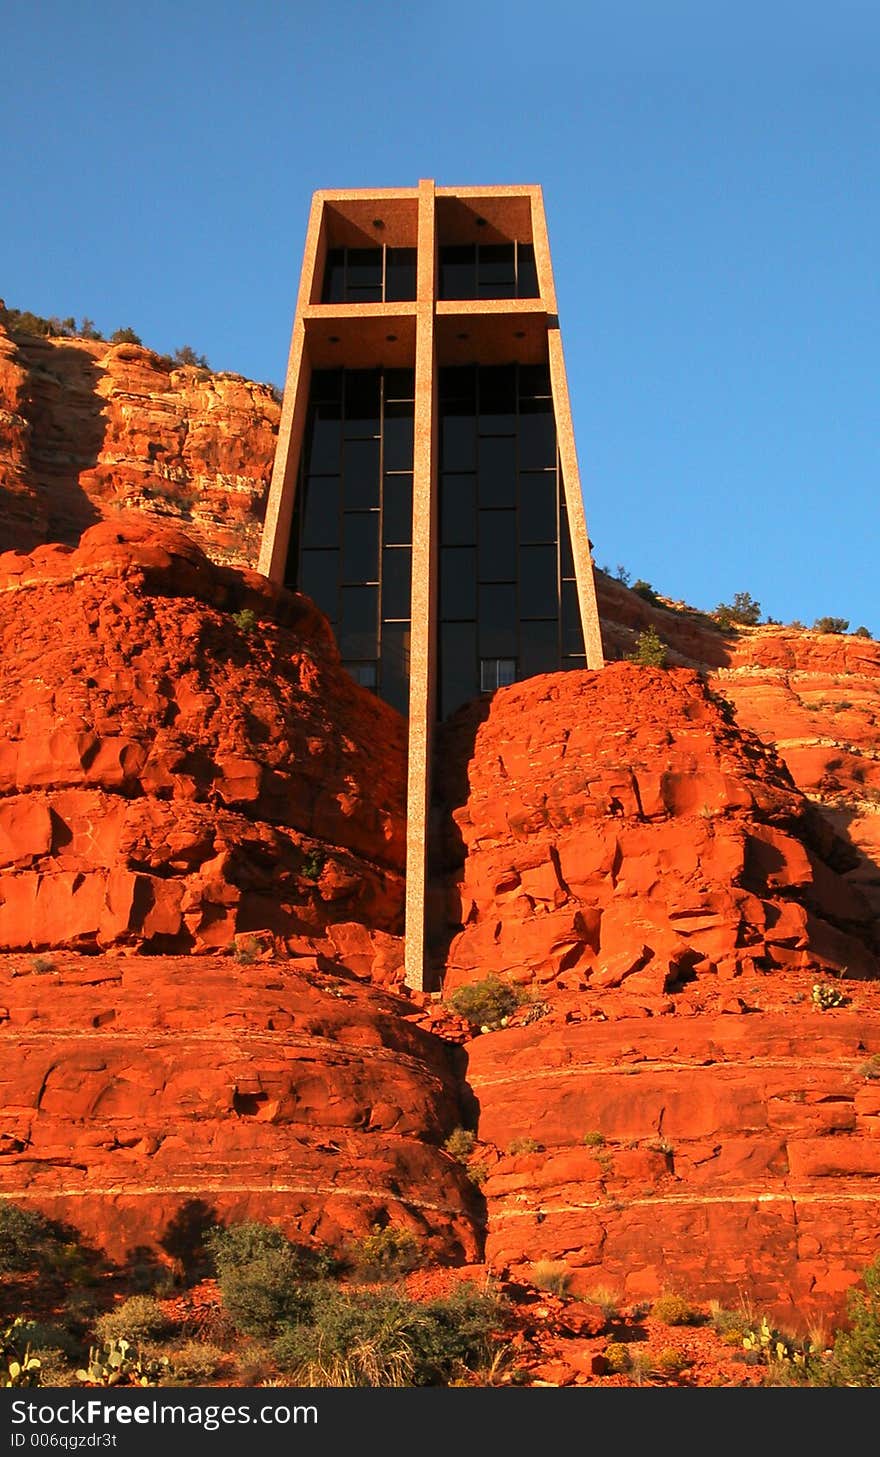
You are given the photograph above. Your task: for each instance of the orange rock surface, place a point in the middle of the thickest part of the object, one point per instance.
(90, 429)
(173, 773)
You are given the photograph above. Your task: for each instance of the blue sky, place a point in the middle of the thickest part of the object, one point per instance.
(710, 174)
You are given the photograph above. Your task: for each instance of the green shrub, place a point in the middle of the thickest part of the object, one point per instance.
(312, 865)
(525, 1145)
(607, 1300)
(669, 1362)
(743, 611)
(644, 590)
(593, 1138)
(673, 1309)
(387, 1253)
(195, 1362)
(831, 624)
(861, 632)
(140, 1318)
(385, 1339)
(460, 1144)
(187, 355)
(552, 1275)
(125, 336)
(24, 1238)
(487, 1003)
(617, 1354)
(261, 1274)
(650, 650)
(42, 964)
(245, 620)
(855, 1355)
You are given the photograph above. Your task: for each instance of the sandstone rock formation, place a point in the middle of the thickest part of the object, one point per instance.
(183, 759)
(144, 1099)
(89, 429)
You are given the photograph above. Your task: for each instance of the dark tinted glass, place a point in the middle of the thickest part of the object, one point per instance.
(538, 648)
(526, 272)
(459, 382)
(495, 271)
(400, 384)
(459, 674)
(360, 546)
(364, 269)
(334, 277)
(497, 622)
(320, 508)
(358, 625)
(458, 439)
(497, 470)
(318, 579)
(396, 575)
(400, 273)
(566, 557)
(534, 380)
(399, 437)
(325, 438)
(458, 513)
(458, 272)
(458, 582)
(497, 546)
(362, 402)
(537, 435)
(361, 473)
(537, 506)
(498, 400)
(573, 661)
(326, 385)
(395, 665)
(397, 510)
(537, 582)
(572, 633)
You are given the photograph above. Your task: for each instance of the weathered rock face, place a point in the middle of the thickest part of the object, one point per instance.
(715, 1154)
(617, 828)
(143, 1099)
(173, 772)
(89, 429)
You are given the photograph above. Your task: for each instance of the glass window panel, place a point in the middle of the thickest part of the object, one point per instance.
(458, 513)
(458, 272)
(534, 381)
(537, 435)
(400, 384)
(399, 437)
(573, 660)
(325, 439)
(400, 274)
(395, 665)
(319, 579)
(566, 556)
(396, 581)
(326, 385)
(497, 622)
(459, 382)
(360, 546)
(364, 269)
(320, 512)
(572, 633)
(496, 673)
(498, 400)
(369, 295)
(538, 593)
(459, 677)
(361, 473)
(495, 263)
(367, 674)
(526, 272)
(497, 546)
(334, 277)
(397, 510)
(458, 582)
(497, 470)
(362, 402)
(458, 439)
(537, 506)
(358, 624)
(538, 647)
